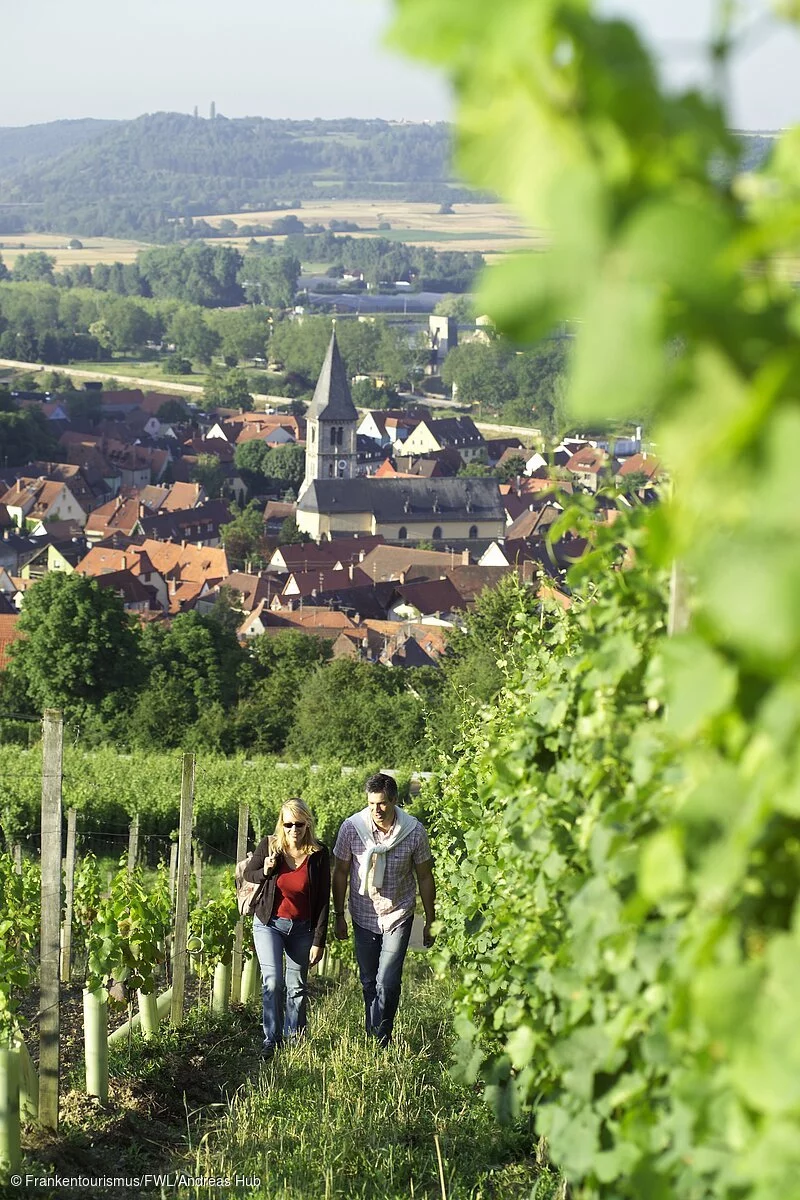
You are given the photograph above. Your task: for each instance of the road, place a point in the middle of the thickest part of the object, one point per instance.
(195, 389)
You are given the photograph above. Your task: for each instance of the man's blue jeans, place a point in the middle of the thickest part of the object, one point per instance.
(380, 958)
(284, 998)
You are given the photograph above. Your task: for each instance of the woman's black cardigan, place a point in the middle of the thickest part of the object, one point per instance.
(319, 887)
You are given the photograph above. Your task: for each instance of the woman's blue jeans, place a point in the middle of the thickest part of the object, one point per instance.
(284, 995)
(380, 958)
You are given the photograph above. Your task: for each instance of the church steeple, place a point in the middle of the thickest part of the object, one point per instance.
(331, 422)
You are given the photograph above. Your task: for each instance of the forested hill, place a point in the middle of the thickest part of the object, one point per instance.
(135, 177)
(22, 147)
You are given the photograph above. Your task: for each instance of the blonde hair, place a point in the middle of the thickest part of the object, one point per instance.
(299, 810)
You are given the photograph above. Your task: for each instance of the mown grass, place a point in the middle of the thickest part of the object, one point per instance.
(337, 1117)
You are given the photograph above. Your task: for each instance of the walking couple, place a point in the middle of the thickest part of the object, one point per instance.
(383, 853)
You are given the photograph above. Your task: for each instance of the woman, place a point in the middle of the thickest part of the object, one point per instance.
(290, 918)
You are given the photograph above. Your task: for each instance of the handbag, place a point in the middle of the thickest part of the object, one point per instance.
(248, 894)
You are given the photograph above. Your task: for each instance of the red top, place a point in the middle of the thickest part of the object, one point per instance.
(291, 892)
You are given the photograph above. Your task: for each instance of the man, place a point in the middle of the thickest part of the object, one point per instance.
(384, 853)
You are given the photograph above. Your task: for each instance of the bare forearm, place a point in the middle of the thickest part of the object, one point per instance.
(339, 890)
(427, 894)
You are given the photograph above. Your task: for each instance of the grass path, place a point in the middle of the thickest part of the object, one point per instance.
(337, 1117)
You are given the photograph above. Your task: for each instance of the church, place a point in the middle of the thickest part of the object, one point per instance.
(335, 501)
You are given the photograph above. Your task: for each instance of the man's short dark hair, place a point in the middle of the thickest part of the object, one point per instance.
(385, 784)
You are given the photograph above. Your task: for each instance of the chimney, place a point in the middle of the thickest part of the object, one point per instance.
(465, 558)
(141, 510)
(173, 587)
(124, 563)
(183, 544)
(350, 571)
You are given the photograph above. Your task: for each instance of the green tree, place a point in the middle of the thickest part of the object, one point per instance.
(290, 534)
(34, 267)
(80, 649)
(511, 468)
(357, 712)
(462, 307)
(243, 536)
(193, 667)
(482, 373)
(209, 471)
(227, 389)
(192, 335)
(173, 410)
(282, 663)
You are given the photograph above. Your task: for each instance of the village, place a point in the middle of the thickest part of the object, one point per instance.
(384, 550)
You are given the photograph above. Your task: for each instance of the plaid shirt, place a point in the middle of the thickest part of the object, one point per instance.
(382, 909)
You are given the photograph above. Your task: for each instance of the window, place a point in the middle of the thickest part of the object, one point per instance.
(330, 470)
(473, 531)
(313, 433)
(337, 435)
(437, 533)
(402, 533)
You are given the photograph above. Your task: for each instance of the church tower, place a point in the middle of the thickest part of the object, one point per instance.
(331, 423)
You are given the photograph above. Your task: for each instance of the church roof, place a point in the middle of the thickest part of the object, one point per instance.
(406, 500)
(332, 400)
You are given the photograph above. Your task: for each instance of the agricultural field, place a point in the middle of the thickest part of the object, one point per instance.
(95, 249)
(483, 228)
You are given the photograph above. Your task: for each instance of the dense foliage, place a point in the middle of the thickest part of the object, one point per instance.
(620, 840)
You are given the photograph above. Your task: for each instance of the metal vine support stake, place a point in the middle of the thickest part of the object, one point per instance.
(241, 850)
(182, 891)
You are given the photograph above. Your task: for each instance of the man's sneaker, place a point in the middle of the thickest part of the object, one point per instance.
(268, 1052)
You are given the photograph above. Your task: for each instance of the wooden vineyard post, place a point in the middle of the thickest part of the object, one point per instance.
(241, 850)
(69, 896)
(17, 852)
(133, 843)
(182, 892)
(49, 956)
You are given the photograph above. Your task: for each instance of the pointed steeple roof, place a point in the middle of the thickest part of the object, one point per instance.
(332, 400)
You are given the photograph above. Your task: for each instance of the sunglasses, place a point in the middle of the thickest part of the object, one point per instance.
(294, 824)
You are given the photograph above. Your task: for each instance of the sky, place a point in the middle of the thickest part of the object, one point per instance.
(310, 58)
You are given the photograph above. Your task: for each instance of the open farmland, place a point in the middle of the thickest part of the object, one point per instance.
(95, 250)
(483, 228)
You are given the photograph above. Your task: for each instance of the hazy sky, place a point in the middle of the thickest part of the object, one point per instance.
(302, 59)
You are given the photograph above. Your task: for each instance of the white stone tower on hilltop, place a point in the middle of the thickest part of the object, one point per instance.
(331, 423)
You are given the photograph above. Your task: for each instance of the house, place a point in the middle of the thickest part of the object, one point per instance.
(430, 435)
(201, 526)
(55, 555)
(427, 600)
(118, 516)
(640, 464)
(275, 513)
(30, 501)
(406, 563)
(588, 466)
(173, 497)
(136, 595)
(313, 556)
(306, 584)
(439, 464)
(387, 426)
